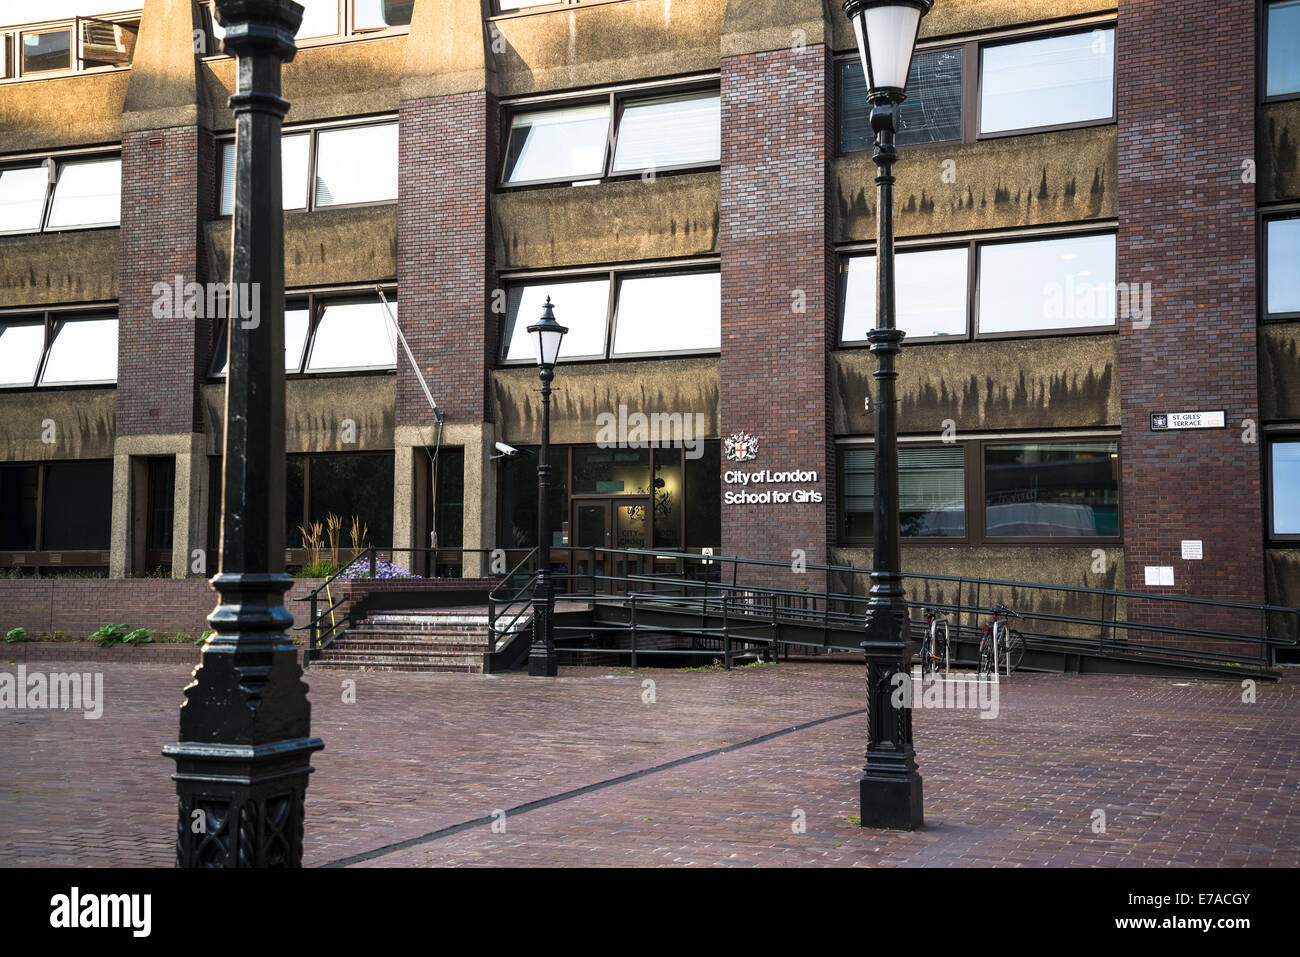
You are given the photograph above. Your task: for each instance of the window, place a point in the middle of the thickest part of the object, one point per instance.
(353, 336)
(1040, 492)
(669, 131)
(930, 297)
(449, 498)
(326, 19)
(79, 35)
(1054, 81)
(84, 352)
(1284, 489)
(47, 350)
(932, 492)
(332, 335)
(353, 164)
(1281, 254)
(78, 194)
(1057, 490)
(22, 345)
(87, 193)
(679, 312)
(1281, 66)
(654, 314)
(571, 143)
(1044, 284)
(56, 506)
(930, 114)
(349, 486)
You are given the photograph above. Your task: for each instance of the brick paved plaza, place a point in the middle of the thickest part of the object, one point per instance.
(1185, 772)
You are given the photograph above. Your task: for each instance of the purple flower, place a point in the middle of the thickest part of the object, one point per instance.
(383, 570)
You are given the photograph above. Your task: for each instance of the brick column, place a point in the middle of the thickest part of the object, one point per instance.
(1187, 226)
(445, 276)
(778, 313)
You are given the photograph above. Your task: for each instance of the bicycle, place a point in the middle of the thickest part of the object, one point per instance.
(997, 636)
(935, 647)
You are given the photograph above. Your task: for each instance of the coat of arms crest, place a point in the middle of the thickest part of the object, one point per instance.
(741, 447)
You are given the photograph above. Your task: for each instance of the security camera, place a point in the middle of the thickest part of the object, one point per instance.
(507, 451)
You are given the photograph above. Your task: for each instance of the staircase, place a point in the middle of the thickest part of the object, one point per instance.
(446, 640)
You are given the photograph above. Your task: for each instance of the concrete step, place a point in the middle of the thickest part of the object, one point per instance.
(375, 664)
(431, 647)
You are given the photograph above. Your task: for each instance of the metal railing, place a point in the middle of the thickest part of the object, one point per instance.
(1065, 618)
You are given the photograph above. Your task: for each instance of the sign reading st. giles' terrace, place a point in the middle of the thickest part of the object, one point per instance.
(743, 447)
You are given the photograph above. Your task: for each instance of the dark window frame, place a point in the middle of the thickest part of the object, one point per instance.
(618, 98)
(315, 301)
(1261, 33)
(1270, 496)
(312, 132)
(968, 485)
(615, 276)
(547, 6)
(308, 457)
(976, 516)
(40, 556)
(49, 319)
(975, 243)
(972, 72)
(11, 41)
(1266, 216)
(53, 164)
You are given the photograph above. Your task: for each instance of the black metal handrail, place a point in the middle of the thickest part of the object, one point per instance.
(522, 596)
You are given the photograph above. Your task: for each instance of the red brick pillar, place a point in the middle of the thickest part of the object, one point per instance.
(445, 272)
(168, 177)
(1187, 227)
(778, 312)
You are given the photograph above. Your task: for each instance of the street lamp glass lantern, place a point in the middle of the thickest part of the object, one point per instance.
(886, 32)
(548, 334)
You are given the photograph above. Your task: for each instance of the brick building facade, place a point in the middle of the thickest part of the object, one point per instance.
(692, 183)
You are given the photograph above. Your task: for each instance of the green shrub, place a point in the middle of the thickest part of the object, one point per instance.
(108, 635)
(16, 634)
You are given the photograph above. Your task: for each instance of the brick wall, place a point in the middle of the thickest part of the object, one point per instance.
(162, 195)
(78, 606)
(445, 273)
(778, 297)
(1187, 226)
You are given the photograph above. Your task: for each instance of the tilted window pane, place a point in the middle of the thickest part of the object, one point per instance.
(1047, 284)
(1283, 259)
(930, 294)
(1057, 490)
(558, 144)
(1069, 79)
(18, 484)
(930, 114)
(673, 313)
(21, 345)
(88, 193)
(43, 52)
(296, 322)
(293, 172)
(670, 131)
(83, 351)
(356, 164)
(78, 505)
(1283, 48)
(1286, 488)
(354, 335)
(378, 14)
(932, 492)
(581, 305)
(320, 18)
(22, 198)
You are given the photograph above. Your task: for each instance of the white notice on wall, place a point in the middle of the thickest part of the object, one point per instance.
(1159, 575)
(1192, 550)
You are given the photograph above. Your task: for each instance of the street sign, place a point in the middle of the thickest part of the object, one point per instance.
(1170, 421)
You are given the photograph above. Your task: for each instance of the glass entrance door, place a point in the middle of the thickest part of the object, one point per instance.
(600, 523)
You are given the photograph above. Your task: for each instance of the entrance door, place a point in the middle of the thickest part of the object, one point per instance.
(607, 523)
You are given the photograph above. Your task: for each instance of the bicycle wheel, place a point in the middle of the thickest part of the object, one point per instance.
(1015, 649)
(986, 655)
(927, 653)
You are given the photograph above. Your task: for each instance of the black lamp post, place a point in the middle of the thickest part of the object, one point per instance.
(541, 656)
(245, 731)
(890, 787)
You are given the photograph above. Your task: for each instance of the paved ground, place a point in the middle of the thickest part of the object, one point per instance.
(1185, 773)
